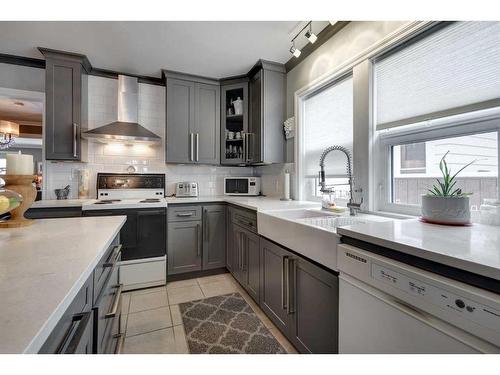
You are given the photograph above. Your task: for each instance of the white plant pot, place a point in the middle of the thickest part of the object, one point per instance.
(446, 210)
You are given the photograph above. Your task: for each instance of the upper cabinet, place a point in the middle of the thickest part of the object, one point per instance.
(265, 140)
(234, 123)
(66, 104)
(193, 119)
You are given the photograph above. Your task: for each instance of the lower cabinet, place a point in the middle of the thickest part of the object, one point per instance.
(196, 238)
(247, 260)
(300, 298)
(184, 247)
(92, 322)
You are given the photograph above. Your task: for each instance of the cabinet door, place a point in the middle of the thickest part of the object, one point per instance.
(254, 135)
(151, 233)
(252, 264)
(63, 87)
(230, 259)
(273, 260)
(232, 144)
(207, 124)
(239, 255)
(314, 298)
(214, 236)
(184, 247)
(180, 121)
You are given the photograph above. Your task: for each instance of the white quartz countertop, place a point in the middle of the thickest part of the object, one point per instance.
(475, 249)
(252, 203)
(61, 203)
(42, 268)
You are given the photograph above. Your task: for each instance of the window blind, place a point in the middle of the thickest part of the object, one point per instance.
(454, 70)
(328, 120)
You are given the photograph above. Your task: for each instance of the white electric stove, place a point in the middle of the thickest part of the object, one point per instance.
(141, 197)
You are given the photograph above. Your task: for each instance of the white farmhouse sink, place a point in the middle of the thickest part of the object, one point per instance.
(310, 232)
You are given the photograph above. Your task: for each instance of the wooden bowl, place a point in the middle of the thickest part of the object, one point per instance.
(23, 185)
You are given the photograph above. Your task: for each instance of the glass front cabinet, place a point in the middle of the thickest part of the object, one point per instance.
(234, 123)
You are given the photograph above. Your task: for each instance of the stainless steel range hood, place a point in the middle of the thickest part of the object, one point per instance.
(126, 129)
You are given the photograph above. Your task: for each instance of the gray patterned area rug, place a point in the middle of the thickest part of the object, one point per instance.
(226, 325)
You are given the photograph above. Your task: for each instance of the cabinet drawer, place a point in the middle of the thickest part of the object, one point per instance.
(184, 213)
(53, 213)
(245, 219)
(108, 262)
(73, 320)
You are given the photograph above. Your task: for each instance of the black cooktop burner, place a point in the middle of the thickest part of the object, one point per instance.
(107, 201)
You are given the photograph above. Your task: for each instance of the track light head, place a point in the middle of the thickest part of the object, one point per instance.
(311, 36)
(295, 51)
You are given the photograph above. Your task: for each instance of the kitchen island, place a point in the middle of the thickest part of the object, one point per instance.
(42, 269)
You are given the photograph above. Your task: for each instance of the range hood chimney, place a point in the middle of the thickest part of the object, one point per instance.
(126, 129)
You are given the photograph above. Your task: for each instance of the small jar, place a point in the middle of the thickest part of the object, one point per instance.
(490, 212)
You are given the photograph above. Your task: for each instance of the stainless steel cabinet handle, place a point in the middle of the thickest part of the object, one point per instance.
(291, 287)
(115, 255)
(114, 308)
(119, 344)
(198, 247)
(284, 283)
(191, 147)
(197, 146)
(72, 337)
(205, 224)
(75, 139)
(186, 214)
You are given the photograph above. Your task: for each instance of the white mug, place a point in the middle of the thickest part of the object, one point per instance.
(230, 135)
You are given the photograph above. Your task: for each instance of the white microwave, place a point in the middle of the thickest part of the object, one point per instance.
(242, 186)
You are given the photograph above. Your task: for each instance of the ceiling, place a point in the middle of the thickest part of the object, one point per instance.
(21, 110)
(208, 48)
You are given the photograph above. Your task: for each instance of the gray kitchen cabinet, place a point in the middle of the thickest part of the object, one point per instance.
(233, 145)
(192, 119)
(180, 121)
(273, 283)
(214, 236)
(247, 260)
(314, 318)
(300, 298)
(66, 105)
(184, 247)
(265, 140)
(230, 250)
(207, 123)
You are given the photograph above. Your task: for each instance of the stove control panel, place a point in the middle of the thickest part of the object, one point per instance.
(478, 313)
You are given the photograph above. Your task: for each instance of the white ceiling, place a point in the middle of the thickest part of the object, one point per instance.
(21, 110)
(212, 49)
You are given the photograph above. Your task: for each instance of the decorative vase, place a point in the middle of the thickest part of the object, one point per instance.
(238, 106)
(23, 185)
(446, 210)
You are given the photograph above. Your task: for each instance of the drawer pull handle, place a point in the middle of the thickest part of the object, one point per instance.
(73, 336)
(116, 303)
(119, 344)
(187, 214)
(115, 255)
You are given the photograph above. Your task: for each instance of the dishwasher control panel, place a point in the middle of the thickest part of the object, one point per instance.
(478, 313)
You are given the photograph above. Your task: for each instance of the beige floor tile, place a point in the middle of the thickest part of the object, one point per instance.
(148, 321)
(125, 302)
(181, 345)
(148, 301)
(217, 288)
(175, 313)
(263, 317)
(211, 279)
(148, 290)
(184, 294)
(162, 341)
(181, 284)
(283, 341)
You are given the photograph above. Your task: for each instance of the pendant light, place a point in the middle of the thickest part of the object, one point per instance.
(8, 131)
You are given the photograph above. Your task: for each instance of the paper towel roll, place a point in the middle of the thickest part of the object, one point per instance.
(286, 185)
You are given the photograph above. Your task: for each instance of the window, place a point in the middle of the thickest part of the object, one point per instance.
(480, 178)
(433, 95)
(327, 121)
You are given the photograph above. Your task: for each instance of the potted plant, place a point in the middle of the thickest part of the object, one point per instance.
(445, 203)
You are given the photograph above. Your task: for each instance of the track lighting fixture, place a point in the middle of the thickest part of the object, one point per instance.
(310, 35)
(294, 51)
